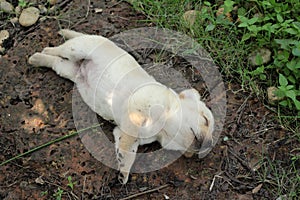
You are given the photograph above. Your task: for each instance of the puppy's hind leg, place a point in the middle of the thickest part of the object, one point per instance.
(78, 48)
(69, 34)
(62, 67)
(126, 148)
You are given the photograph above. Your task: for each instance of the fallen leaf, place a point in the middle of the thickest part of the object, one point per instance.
(256, 189)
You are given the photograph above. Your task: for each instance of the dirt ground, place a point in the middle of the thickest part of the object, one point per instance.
(36, 107)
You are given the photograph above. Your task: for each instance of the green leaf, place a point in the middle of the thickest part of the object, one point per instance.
(279, 18)
(280, 93)
(297, 104)
(267, 26)
(297, 66)
(292, 79)
(242, 11)
(263, 77)
(210, 27)
(70, 184)
(254, 29)
(259, 60)
(207, 3)
(252, 20)
(296, 25)
(291, 94)
(282, 80)
(284, 43)
(289, 87)
(291, 65)
(243, 19)
(228, 6)
(291, 31)
(283, 103)
(246, 37)
(296, 52)
(266, 3)
(243, 24)
(258, 70)
(277, 9)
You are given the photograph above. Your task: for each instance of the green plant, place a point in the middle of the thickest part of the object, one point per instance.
(287, 90)
(58, 194)
(44, 193)
(283, 178)
(23, 3)
(276, 24)
(71, 183)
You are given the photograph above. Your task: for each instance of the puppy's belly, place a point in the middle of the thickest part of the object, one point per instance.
(105, 88)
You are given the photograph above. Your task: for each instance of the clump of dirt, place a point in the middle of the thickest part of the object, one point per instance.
(36, 107)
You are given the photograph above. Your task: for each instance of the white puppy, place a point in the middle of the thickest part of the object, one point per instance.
(113, 84)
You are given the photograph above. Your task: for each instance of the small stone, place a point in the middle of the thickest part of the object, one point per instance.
(53, 9)
(29, 16)
(272, 96)
(52, 2)
(14, 20)
(226, 138)
(42, 18)
(6, 6)
(257, 189)
(43, 9)
(18, 10)
(259, 57)
(190, 16)
(4, 34)
(98, 10)
(39, 180)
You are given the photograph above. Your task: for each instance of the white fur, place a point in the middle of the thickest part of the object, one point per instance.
(114, 85)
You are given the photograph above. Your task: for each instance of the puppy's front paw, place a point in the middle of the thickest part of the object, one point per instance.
(123, 177)
(69, 34)
(40, 59)
(51, 51)
(36, 59)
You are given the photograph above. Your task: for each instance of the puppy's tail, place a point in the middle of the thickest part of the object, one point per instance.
(69, 34)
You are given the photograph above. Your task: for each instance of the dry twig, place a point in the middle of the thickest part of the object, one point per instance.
(146, 192)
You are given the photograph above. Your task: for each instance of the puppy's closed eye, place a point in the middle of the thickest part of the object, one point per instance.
(206, 121)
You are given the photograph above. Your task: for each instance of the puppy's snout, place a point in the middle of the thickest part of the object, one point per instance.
(205, 147)
(202, 144)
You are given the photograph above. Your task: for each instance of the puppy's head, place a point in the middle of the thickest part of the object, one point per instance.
(198, 123)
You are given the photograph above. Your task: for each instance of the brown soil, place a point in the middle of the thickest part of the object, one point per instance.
(36, 107)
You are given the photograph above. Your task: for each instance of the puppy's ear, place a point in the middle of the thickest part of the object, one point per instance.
(189, 94)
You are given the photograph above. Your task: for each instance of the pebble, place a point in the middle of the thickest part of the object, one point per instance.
(271, 95)
(98, 10)
(190, 16)
(29, 16)
(43, 9)
(4, 34)
(52, 2)
(14, 20)
(6, 6)
(265, 55)
(18, 10)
